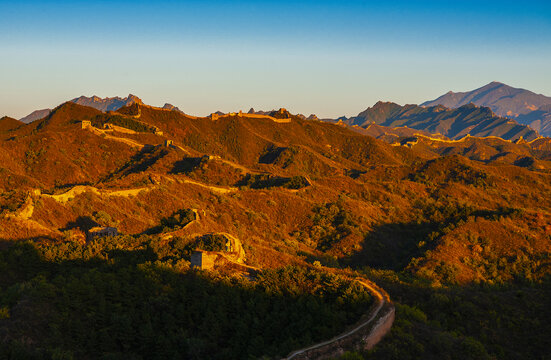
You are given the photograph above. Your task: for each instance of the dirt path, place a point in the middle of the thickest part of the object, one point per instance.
(129, 192)
(80, 189)
(377, 323)
(218, 189)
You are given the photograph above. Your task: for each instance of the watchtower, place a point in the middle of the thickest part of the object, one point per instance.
(203, 260)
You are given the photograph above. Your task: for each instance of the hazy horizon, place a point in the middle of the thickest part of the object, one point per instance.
(327, 58)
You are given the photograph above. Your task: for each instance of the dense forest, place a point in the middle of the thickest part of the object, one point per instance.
(134, 298)
(502, 321)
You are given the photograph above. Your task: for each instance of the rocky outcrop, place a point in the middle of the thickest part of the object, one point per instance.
(107, 104)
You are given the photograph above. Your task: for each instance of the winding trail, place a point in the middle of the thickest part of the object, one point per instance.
(80, 189)
(382, 311)
(217, 189)
(124, 140)
(365, 334)
(369, 330)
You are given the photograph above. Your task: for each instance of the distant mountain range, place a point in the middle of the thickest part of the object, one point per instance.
(101, 104)
(454, 123)
(115, 103)
(522, 105)
(487, 111)
(35, 115)
(539, 120)
(107, 104)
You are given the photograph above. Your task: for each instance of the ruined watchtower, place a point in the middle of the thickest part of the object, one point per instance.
(203, 259)
(85, 124)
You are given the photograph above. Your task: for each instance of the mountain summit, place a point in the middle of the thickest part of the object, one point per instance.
(503, 99)
(468, 119)
(525, 106)
(107, 104)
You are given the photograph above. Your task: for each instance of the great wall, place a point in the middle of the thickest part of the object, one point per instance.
(215, 116)
(365, 334)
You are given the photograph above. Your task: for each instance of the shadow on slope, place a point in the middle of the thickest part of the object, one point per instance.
(128, 297)
(140, 162)
(395, 246)
(464, 322)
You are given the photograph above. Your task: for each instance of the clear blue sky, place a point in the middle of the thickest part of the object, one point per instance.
(326, 57)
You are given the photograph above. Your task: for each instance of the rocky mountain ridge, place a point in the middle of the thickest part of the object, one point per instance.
(101, 104)
(453, 123)
(524, 106)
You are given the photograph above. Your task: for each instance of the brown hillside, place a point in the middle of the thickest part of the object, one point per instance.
(352, 198)
(8, 123)
(245, 139)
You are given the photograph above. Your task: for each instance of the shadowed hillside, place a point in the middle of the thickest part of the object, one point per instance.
(522, 105)
(453, 123)
(539, 120)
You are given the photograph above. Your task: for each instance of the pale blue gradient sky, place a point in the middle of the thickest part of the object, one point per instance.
(331, 58)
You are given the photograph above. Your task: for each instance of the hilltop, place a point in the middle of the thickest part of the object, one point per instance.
(8, 123)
